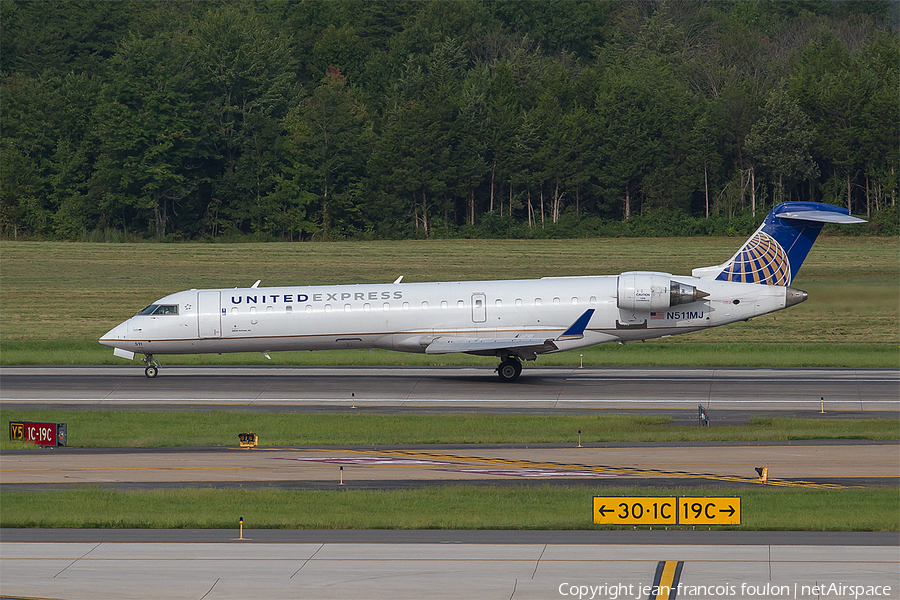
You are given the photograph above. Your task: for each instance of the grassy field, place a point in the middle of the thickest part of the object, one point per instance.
(220, 428)
(439, 507)
(58, 298)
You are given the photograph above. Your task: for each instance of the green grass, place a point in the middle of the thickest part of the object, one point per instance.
(58, 298)
(114, 428)
(438, 507)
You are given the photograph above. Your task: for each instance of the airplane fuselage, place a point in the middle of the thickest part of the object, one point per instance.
(409, 317)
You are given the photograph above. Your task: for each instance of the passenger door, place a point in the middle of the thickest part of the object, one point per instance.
(209, 313)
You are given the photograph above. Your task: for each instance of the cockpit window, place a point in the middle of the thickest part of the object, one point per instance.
(160, 309)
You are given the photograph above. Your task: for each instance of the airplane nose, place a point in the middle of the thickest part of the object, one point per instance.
(116, 334)
(794, 296)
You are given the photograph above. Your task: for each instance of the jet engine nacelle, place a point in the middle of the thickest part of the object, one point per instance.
(639, 291)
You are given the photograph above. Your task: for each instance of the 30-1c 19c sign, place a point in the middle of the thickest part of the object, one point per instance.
(642, 510)
(44, 434)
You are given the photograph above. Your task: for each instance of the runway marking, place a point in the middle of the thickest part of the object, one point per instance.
(425, 559)
(375, 461)
(665, 581)
(727, 379)
(833, 403)
(530, 472)
(231, 468)
(611, 469)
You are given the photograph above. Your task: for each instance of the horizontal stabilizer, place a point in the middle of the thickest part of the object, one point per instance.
(821, 216)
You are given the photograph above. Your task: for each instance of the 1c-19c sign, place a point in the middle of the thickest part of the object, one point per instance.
(639, 510)
(45, 434)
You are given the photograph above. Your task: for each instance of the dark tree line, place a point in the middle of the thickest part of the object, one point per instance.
(298, 119)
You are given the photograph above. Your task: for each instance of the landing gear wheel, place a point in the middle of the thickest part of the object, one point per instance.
(509, 369)
(151, 371)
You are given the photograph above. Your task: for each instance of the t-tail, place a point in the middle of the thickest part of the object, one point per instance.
(773, 255)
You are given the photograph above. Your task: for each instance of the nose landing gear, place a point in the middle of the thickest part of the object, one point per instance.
(510, 369)
(152, 369)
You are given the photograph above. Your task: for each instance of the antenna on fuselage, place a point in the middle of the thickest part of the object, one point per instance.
(256, 285)
(396, 281)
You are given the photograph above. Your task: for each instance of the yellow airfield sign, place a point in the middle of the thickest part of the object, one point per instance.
(709, 511)
(641, 510)
(635, 510)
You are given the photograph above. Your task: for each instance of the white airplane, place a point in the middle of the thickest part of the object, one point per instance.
(514, 320)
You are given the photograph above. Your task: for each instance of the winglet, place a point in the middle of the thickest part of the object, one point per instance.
(576, 329)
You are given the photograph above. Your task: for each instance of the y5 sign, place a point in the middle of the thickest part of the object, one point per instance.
(44, 434)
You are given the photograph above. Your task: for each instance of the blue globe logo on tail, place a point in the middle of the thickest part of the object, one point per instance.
(773, 255)
(761, 260)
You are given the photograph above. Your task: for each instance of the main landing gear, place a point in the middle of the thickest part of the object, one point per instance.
(152, 369)
(510, 369)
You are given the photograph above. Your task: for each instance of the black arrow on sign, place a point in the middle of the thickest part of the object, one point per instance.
(730, 511)
(603, 510)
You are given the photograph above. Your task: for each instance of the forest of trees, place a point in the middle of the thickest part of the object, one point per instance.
(297, 120)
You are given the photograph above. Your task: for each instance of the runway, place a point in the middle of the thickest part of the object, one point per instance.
(845, 390)
(610, 568)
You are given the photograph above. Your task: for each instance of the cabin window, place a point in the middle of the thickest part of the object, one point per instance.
(406, 306)
(518, 302)
(538, 302)
(252, 310)
(270, 309)
(574, 301)
(234, 310)
(460, 304)
(309, 308)
(367, 307)
(328, 308)
(556, 302)
(593, 299)
(443, 304)
(425, 306)
(498, 303)
(288, 309)
(346, 308)
(386, 306)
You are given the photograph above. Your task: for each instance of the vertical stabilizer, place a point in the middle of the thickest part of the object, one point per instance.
(773, 255)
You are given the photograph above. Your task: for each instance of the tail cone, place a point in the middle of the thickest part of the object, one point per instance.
(794, 296)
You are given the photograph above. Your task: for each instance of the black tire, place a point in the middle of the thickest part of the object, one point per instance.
(151, 371)
(509, 370)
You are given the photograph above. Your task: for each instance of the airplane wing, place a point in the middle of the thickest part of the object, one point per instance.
(447, 344)
(524, 346)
